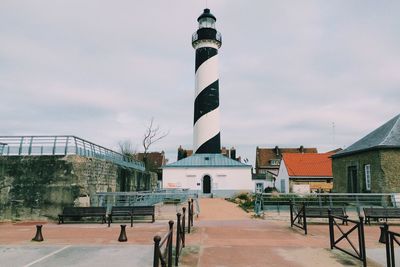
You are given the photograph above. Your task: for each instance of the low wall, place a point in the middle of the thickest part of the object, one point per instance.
(38, 187)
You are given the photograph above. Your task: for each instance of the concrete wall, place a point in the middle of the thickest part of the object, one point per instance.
(224, 181)
(385, 171)
(37, 187)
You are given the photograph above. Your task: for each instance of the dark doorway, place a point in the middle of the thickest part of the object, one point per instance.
(352, 180)
(206, 184)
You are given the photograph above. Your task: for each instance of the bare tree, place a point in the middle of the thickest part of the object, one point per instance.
(152, 135)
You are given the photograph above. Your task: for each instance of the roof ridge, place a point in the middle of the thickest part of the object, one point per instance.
(391, 130)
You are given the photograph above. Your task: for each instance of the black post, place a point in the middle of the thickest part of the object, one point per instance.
(291, 212)
(387, 249)
(38, 237)
(178, 238)
(304, 218)
(391, 240)
(191, 212)
(170, 238)
(362, 241)
(331, 233)
(183, 226)
(384, 228)
(122, 235)
(189, 217)
(156, 257)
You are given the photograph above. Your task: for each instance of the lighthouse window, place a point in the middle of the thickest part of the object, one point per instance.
(207, 23)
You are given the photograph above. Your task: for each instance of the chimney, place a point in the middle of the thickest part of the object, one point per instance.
(233, 153)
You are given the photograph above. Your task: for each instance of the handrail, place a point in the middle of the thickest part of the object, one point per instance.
(45, 145)
(351, 200)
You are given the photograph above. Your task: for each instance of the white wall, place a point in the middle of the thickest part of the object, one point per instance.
(283, 175)
(221, 178)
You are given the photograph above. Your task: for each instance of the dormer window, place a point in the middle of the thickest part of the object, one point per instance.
(274, 162)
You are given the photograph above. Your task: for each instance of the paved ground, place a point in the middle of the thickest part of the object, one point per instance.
(224, 235)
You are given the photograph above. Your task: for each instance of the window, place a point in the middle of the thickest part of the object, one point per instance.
(367, 169)
(274, 162)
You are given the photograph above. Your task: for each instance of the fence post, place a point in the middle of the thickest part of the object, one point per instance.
(170, 238)
(304, 218)
(156, 258)
(362, 241)
(183, 226)
(291, 212)
(388, 250)
(178, 237)
(192, 211)
(189, 217)
(331, 233)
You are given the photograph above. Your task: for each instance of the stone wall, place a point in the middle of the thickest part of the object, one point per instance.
(385, 170)
(37, 187)
(390, 161)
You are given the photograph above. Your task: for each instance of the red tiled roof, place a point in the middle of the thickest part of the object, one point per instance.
(264, 155)
(308, 164)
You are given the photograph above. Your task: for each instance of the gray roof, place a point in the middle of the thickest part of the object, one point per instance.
(206, 160)
(386, 136)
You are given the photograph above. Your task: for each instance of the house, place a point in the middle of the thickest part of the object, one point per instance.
(208, 173)
(372, 164)
(153, 161)
(268, 161)
(305, 173)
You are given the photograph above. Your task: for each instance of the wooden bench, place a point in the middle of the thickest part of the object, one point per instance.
(322, 212)
(131, 211)
(80, 212)
(381, 213)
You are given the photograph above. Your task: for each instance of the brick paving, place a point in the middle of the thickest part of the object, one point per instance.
(223, 235)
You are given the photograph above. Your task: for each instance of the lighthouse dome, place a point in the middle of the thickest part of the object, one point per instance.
(207, 14)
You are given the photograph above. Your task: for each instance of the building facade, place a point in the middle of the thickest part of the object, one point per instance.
(305, 173)
(372, 164)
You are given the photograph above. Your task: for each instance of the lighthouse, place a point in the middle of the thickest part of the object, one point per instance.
(207, 172)
(206, 124)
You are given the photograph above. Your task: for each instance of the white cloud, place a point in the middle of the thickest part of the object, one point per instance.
(101, 70)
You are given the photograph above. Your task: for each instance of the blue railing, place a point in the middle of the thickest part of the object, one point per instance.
(146, 198)
(63, 145)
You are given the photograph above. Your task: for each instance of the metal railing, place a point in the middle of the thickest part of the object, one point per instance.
(180, 234)
(391, 238)
(358, 253)
(163, 255)
(63, 145)
(354, 201)
(144, 198)
(298, 216)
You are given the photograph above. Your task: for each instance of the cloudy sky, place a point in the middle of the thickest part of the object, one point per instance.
(289, 70)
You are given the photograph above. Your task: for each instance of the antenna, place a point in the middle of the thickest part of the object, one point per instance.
(333, 134)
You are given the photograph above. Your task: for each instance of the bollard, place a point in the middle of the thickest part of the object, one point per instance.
(122, 236)
(38, 237)
(384, 229)
(156, 257)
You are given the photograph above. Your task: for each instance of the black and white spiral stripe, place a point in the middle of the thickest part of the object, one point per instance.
(206, 105)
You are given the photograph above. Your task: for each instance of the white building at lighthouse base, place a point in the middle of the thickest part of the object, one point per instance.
(208, 174)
